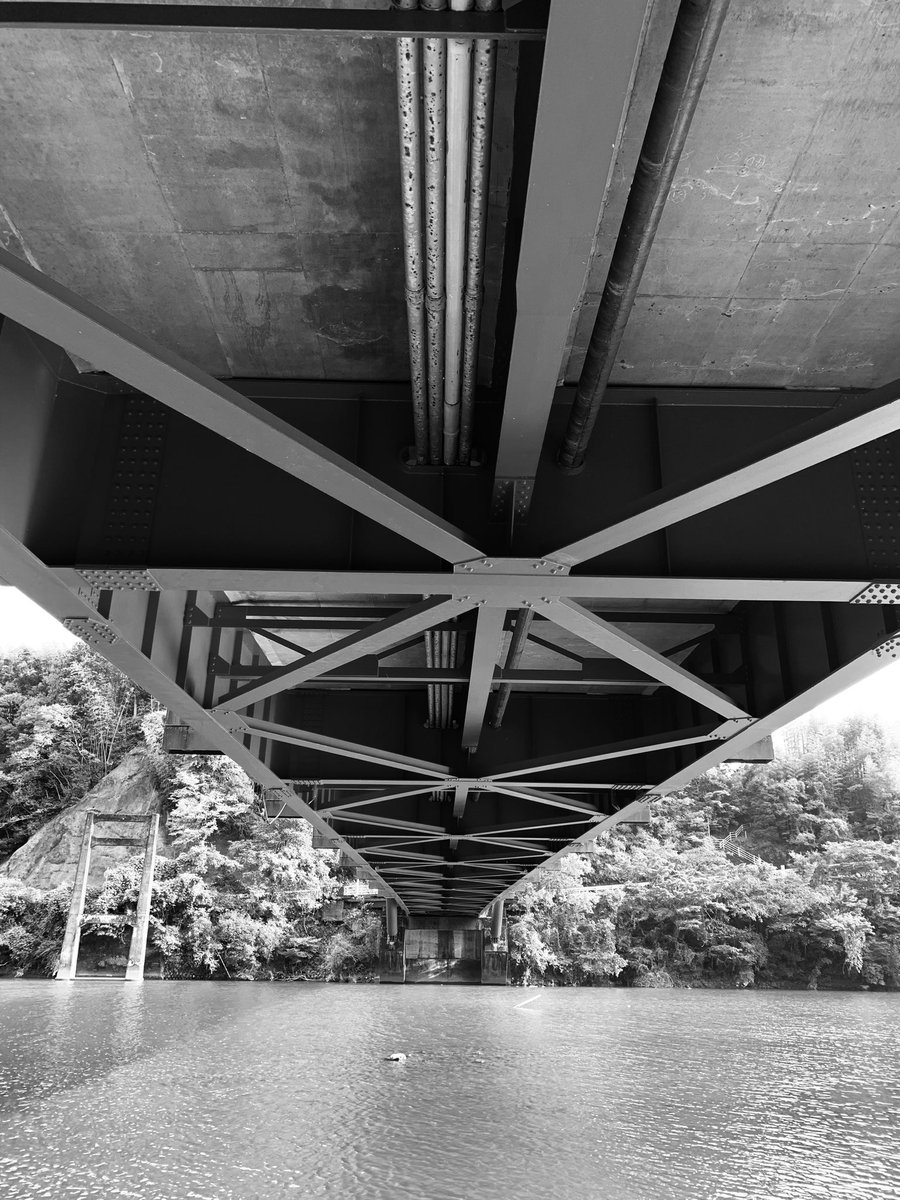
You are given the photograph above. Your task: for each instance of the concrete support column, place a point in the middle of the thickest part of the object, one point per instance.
(138, 953)
(496, 921)
(392, 960)
(68, 958)
(391, 919)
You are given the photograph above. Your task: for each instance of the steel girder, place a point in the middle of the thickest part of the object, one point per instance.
(523, 22)
(259, 558)
(664, 673)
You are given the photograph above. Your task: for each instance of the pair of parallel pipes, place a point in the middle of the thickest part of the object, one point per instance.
(448, 216)
(440, 653)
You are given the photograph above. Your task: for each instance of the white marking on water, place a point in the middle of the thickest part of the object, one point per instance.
(528, 1001)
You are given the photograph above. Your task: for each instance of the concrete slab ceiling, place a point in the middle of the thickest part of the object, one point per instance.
(236, 196)
(777, 261)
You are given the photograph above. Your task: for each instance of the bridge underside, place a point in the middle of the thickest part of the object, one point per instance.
(455, 672)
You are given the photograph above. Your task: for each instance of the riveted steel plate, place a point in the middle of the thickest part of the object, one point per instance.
(890, 648)
(878, 593)
(95, 633)
(119, 579)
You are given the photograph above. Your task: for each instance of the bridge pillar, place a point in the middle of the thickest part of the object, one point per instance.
(390, 918)
(496, 921)
(392, 959)
(494, 952)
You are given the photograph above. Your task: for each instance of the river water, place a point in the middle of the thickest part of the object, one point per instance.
(218, 1090)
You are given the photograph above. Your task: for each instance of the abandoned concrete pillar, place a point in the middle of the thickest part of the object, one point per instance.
(138, 952)
(68, 958)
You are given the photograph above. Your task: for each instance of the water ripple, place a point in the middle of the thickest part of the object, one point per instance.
(218, 1091)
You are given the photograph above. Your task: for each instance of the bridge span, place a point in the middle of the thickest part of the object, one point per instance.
(443, 413)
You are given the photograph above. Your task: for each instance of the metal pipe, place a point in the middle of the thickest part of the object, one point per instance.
(410, 174)
(438, 713)
(445, 663)
(483, 77)
(687, 63)
(453, 645)
(429, 662)
(516, 649)
(435, 67)
(459, 82)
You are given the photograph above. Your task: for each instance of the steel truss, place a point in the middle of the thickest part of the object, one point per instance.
(258, 557)
(652, 675)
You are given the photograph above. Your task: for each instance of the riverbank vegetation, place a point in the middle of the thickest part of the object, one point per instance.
(775, 875)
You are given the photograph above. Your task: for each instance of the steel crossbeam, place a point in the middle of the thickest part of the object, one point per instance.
(642, 745)
(578, 620)
(137, 19)
(370, 640)
(84, 329)
(329, 745)
(485, 656)
(855, 422)
(510, 590)
(350, 803)
(453, 815)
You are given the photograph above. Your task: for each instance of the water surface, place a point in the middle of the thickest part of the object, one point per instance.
(217, 1090)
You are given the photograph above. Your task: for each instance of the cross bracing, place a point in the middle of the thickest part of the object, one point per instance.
(455, 671)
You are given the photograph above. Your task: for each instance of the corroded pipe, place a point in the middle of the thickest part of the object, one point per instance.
(483, 77)
(453, 644)
(429, 663)
(410, 174)
(445, 664)
(459, 81)
(435, 71)
(687, 63)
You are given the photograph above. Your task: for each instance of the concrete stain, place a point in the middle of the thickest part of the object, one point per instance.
(239, 156)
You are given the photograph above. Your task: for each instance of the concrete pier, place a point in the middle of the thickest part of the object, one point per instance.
(495, 952)
(445, 950)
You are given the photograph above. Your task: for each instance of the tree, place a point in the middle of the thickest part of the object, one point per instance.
(66, 720)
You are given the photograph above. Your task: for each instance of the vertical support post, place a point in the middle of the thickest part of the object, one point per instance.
(494, 954)
(392, 960)
(68, 958)
(496, 921)
(138, 953)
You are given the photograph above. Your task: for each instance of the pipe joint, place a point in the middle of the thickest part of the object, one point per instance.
(435, 304)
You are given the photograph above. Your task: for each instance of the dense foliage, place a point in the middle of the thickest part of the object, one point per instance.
(807, 894)
(234, 894)
(65, 720)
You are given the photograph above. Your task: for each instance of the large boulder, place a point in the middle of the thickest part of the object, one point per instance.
(49, 858)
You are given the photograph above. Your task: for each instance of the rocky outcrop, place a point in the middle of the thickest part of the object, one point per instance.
(49, 857)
